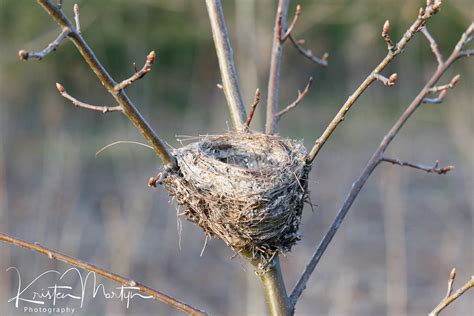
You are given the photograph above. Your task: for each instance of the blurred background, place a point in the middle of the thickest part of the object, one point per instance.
(394, 252)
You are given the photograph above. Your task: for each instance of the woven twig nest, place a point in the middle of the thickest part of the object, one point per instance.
(248, 189)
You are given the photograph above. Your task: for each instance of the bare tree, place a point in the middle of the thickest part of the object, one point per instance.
(264, 256)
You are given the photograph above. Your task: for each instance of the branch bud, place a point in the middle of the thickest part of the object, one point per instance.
(151, 57)
(392, 79)
(76, 9)
(454, 81)
(23, 54)
(452, 275)
(386, 28)
(421, 12)
(325, 56)
(60, 88)
(436, 5)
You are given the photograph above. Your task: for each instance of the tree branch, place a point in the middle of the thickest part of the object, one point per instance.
(275, 62)
(372, 164)
(433, 169)
(256, 101)
(449, 298)
(434, 46)
(301, 96)
(138, 73)
(230, 81)
(25, 55)
(128, 108)
(424, 15)
(77, 103)
(271, 276)
(106, 274)
(322, 61)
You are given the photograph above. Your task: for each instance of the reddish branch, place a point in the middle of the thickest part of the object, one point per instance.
(275, 62)
(301, 96)
(433, 169)
(256, 101)
(128, 108)
(378, 155)
(77, 103)
(51, 254)
(138, 73)
(451, 297)
(424, 15)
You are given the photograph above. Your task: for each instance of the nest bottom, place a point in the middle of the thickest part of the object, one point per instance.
(248, 189)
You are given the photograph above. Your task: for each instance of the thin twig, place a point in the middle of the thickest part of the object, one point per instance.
(225, 57)
(448, 299)
(434, 45)
(138, 73)
(301, 96)
(106, 274)
(77, 103)
(433, 169)
(430, 9)
(371, 165)
(322, 61)
(25, 55)
(128, 108)
(256, 101)
(275, 62)
(293, 23)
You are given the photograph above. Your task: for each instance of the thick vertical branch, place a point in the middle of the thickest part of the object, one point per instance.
(271, 276)
(120, 96)
(225, 57)
(274, 76)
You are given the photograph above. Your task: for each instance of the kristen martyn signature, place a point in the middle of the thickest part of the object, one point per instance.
(61, 292)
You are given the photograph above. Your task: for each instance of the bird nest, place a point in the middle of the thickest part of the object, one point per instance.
(248, 189)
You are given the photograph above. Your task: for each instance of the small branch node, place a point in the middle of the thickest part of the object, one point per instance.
(160, 177)
(77, 103)
(301, 96)
(220, 86)
(137, 74)
(390, 81)
(256, 100)
(433, 169)
(293, 23)
(76, 18)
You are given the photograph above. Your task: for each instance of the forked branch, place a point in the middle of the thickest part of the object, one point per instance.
(300, 97)
(127, 107)
(51, 254)
(450, 296)
(374, 161)
(393, 50)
